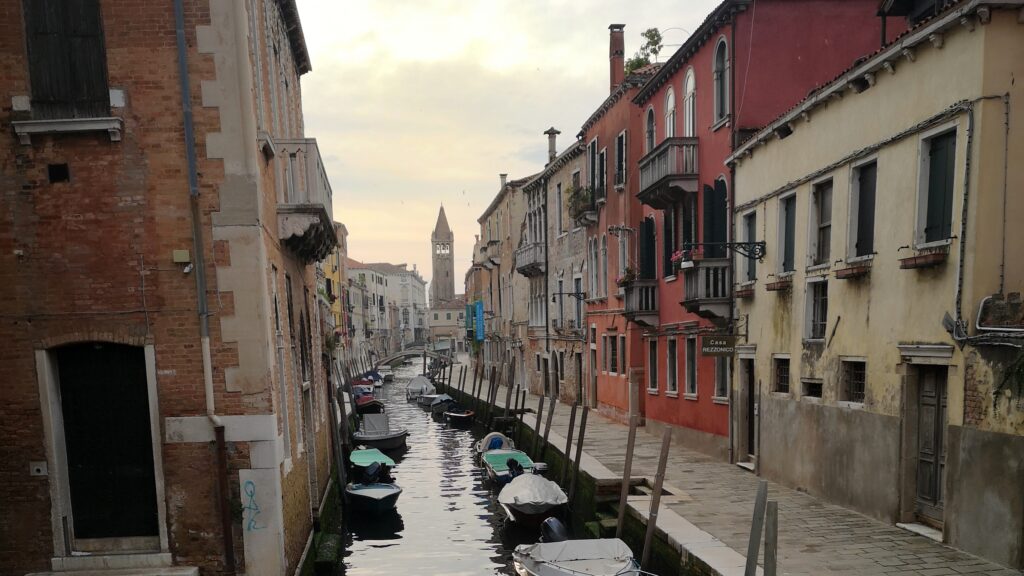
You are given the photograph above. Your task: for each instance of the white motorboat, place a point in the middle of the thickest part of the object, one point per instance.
(530, 498)
(419, 386)
(600, 557)
(493, 441)
(376, 432)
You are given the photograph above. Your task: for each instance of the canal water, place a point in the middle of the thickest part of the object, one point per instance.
(448, 520)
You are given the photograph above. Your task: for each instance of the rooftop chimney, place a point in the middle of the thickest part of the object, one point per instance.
(616, 55)
(552, 134)
(504, 178)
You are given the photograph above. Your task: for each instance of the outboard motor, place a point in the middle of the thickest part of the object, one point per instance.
(514, 467)
(373, 473)
(551, 530)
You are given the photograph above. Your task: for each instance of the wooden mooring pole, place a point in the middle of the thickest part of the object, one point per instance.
(627, 472)
(754, 544)
(579, 454)
(536, 428)
(652, 515)
(771, 539)
(508, 386)
(568, 445)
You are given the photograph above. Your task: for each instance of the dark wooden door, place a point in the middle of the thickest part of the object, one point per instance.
(105, 405)
(931, 449)
(748, 377)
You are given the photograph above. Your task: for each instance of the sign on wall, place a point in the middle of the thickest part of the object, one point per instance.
(479, 320)
(713, 345)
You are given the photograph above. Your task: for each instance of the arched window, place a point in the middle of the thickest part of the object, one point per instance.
(721, 74)
(689, 104)
(670, 114)
(650, 130)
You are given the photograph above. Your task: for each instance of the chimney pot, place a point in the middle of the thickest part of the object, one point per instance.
(552, 150)
(616, 55)
(504, 179)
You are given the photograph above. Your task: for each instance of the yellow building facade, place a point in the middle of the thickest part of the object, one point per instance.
(879, 362)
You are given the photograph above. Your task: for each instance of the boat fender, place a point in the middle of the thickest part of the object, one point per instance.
(551, 530)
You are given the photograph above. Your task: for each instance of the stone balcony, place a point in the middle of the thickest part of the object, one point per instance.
(708, 288)
(304, 213)
(668, 172)
(530, 259)
(641, 302)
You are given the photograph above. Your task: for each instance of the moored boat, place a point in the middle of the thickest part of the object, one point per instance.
(368, 405)
(556, 555)
(376, 432)
(530, 498)
(493, 441)
(419, 386)
(441, 403)
(426, 400)
(496, 463)
(376, 497)
(459, 416)
(365, 457)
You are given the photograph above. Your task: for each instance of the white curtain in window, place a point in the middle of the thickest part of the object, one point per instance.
(670, 114)
(689, 104)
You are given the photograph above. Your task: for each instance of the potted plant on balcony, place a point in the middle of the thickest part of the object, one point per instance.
(627, 278)
(678, 258)
(579, 202)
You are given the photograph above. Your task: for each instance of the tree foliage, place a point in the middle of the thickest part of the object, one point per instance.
(647, 52)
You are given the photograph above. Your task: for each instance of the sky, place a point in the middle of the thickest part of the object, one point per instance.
(418, 103)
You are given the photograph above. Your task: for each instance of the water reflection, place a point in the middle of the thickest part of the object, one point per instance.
(447, 521)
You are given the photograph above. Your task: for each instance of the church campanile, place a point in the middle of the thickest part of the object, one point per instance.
(442, 281)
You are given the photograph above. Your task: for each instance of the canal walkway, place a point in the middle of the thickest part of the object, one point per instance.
(708, 512)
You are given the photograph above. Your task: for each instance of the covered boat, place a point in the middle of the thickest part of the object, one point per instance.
(364, 457)
(530, 498)
(376, 432)
(496, 462)
(600, 557)
(367, 404)
(419, 386)
(441, 403)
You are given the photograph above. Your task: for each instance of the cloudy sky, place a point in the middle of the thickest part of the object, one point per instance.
(416, 103)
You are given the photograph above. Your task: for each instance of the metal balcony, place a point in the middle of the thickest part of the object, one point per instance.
(642, 302)
(708, 288)
(304, 213)
(530, 259)
(668, 172)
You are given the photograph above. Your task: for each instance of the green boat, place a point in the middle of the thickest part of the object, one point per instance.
(367, 456)
(496, 464)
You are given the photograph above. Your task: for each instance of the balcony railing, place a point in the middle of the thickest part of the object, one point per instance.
(671, 165)
(530, 259)
(583, 205)
(600, 193)
(641, 304)
(708, 288)
(304, 214)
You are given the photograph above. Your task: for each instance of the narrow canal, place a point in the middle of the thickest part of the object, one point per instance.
(448, 520)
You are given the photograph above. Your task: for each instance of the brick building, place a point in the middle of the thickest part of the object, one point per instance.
(163, 214)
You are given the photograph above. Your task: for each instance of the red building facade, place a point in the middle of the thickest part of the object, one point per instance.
(664, 223)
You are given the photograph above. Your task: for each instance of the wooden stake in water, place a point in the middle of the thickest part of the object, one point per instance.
(659, 480)
(626, 475)
(579, 454)
(568, 446)
(771, 539)
(508, 389)
(754, 544)
(536, 428)
(547, 427)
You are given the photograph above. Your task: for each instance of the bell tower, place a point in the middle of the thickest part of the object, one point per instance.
(442, 281)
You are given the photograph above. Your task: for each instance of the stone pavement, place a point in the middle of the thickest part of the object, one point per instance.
(815, 538)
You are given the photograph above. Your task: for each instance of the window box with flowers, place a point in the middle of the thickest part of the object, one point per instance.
(627, 278)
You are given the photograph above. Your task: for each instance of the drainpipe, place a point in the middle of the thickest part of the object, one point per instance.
(200, 275)
(729, 202)
(547, 305)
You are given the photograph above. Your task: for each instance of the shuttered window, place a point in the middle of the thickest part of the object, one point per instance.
(788, 217)
(67, 59)
(648, 262)
(864, 240)
(750, 235)
(666, 240)
(939, 211)
(715, 220)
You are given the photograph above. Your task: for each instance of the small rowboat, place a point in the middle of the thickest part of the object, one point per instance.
(599, 557)
(376, 432)
(375, 498)
(369, 405)
(459, 417)
(441, 403)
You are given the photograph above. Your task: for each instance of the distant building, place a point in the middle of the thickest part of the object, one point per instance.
(442, 280)
(447, 324)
